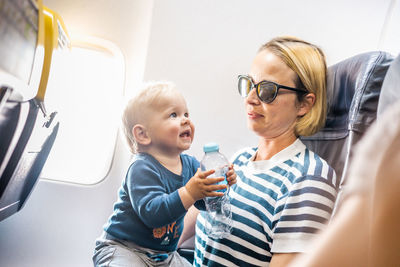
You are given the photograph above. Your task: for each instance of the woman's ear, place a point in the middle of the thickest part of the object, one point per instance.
(306, 104)
(141, 135)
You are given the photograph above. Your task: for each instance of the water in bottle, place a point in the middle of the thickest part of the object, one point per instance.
(219, 216)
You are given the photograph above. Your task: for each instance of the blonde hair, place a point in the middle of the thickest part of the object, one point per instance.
(308, 62)
(138, 107)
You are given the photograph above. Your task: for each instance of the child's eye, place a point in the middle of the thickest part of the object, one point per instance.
(173, 115)
(187, 115)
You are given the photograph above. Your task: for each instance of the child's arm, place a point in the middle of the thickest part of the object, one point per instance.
(199, 187)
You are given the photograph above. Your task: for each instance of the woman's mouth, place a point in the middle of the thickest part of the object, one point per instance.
(253, 115)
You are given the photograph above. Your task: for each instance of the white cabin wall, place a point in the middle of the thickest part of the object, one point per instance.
(202, 46)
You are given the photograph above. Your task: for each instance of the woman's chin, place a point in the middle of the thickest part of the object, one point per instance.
(254, 127)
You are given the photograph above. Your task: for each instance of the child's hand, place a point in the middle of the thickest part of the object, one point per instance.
(231, 176)
(199, 186)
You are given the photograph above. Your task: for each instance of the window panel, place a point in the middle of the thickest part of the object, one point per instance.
(85, 87)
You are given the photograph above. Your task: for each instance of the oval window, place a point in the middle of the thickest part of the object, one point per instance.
(85, 87)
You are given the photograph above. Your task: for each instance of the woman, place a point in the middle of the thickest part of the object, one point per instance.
(284, 193)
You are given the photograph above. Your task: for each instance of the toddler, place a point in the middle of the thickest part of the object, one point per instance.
(160, 184)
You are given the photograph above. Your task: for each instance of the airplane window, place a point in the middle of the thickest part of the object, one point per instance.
(85, 87)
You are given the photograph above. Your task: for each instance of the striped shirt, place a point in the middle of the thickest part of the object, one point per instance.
(277, 206)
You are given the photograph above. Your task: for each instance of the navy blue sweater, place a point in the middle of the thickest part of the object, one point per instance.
(149, 211)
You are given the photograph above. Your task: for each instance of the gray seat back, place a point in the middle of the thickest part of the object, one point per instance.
(390, 92)
(353, 91)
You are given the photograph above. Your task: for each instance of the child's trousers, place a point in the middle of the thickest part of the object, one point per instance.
(111, 251)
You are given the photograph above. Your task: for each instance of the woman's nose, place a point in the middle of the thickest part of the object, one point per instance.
(252, 97)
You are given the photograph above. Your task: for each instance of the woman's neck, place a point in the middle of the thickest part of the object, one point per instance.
(267, 148)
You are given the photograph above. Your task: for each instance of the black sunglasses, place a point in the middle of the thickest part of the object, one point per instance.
(266, 90)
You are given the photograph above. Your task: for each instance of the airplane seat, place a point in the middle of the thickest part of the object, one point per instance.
(9, 114)
(390, 92)
(26, 137)
(353, 92)
(27, 129)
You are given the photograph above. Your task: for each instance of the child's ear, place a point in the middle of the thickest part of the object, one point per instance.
(141, 135)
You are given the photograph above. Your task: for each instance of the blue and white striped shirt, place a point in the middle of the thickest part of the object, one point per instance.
(277, 207)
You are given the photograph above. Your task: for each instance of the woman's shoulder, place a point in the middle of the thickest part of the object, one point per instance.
(313, 159)
(315, 167)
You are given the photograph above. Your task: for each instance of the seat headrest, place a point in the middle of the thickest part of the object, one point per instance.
(353, 87)
(390, 92)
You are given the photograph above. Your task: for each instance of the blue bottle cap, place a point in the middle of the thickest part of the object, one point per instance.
(210, 147)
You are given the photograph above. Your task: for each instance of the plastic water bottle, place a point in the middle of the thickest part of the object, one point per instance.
(219, 215)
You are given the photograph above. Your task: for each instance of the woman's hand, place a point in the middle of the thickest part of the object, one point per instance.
(231, 176)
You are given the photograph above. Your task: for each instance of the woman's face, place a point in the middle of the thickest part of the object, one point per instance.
(278, 118)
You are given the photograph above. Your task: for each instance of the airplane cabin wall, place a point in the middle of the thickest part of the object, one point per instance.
(202, 46)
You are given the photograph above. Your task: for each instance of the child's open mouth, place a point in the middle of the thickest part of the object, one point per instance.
(185, 134)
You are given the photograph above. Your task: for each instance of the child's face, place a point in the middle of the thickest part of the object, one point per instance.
(170, 128)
